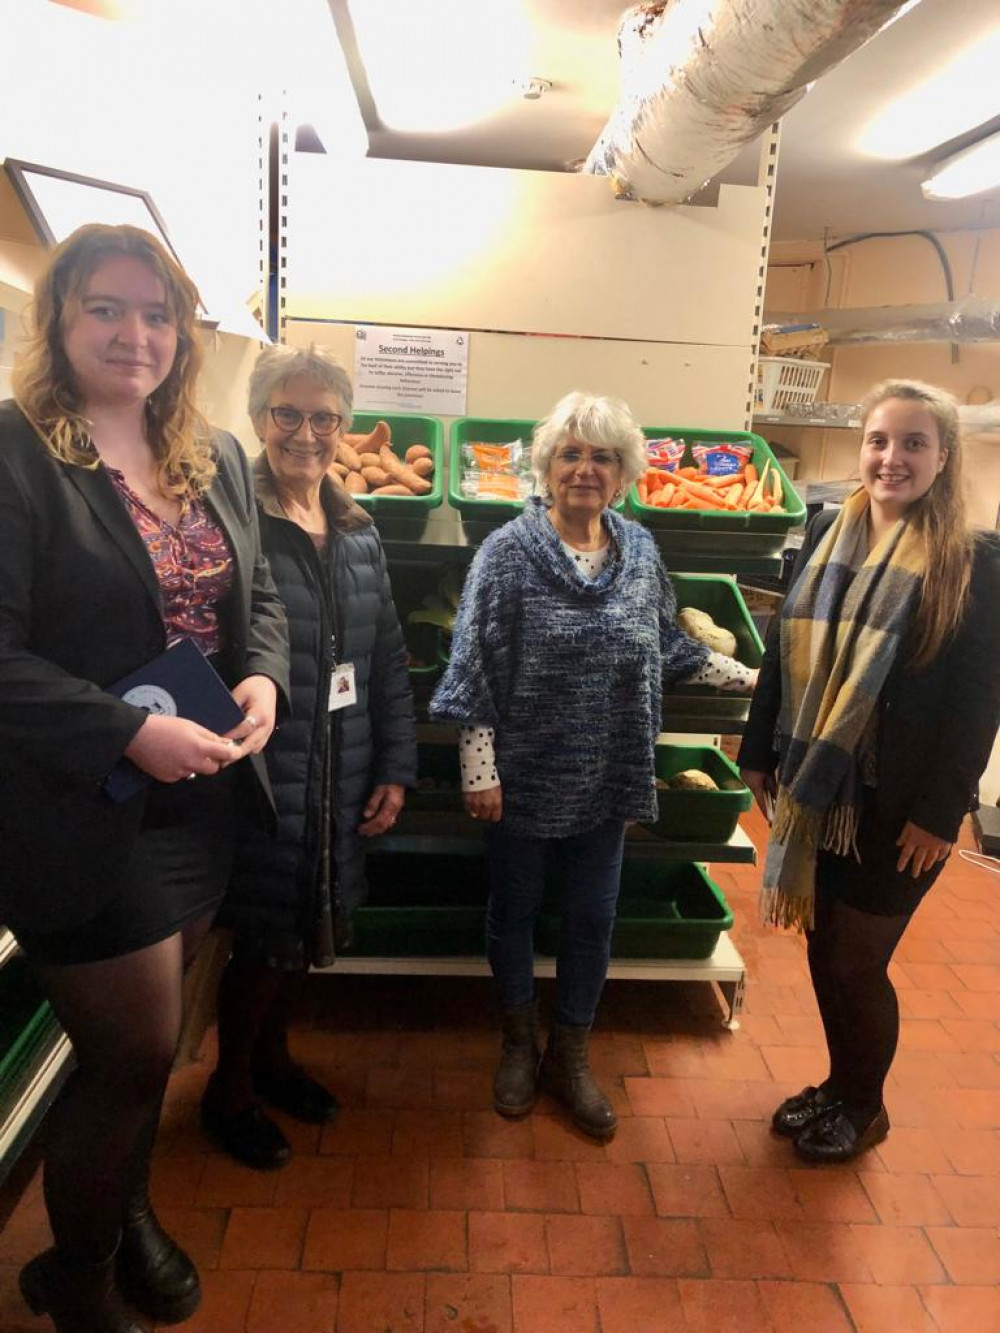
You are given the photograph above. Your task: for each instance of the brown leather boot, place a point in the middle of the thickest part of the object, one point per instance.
(514, 1084)
(565, 1074)
(77, 1297)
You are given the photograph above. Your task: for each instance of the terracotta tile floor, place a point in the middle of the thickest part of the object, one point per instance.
(419, 1210)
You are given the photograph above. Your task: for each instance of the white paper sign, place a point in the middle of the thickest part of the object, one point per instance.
(410, 370)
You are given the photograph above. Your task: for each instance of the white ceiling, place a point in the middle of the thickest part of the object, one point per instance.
(824, 183)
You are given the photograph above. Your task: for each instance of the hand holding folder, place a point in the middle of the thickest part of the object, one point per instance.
(179, 683)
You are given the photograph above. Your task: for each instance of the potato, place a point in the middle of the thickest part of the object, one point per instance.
(423, 467)
(356, 483)
(418, 451)
(369, 459)
(692, 779)
(375, 476)
(699, 625)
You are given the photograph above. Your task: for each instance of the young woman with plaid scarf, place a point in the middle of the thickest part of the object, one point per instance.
(873, 719)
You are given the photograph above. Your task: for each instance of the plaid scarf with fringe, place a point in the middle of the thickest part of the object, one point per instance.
(840, 631)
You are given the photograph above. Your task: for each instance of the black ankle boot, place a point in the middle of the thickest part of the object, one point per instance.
(515, 1082)
(566, 1074)
(154, 1273)
(77, 1297)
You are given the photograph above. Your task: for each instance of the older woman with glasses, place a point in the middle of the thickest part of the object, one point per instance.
(338, 766)
(564, 639)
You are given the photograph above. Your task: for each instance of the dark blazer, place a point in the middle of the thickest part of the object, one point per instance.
(80, 608)
(936, 725)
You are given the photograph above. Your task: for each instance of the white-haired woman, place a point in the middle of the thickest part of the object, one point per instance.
(338, 773)
(564, 639)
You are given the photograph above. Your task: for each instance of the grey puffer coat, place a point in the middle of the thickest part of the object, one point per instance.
(290, 897)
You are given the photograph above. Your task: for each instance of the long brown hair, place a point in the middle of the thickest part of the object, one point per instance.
(44, 385)
(939, 518)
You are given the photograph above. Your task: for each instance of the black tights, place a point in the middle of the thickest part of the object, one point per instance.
(253, 1029)
(849, 954)
(123, 1018)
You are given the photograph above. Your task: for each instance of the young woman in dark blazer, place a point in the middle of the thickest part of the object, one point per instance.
(874, 716)
(126, 525)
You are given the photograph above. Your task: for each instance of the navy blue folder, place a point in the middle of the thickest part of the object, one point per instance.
(179, 683)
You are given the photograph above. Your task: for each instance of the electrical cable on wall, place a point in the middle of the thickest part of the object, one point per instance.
(949, 281)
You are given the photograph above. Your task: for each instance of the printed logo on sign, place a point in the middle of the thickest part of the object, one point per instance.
(153, 698)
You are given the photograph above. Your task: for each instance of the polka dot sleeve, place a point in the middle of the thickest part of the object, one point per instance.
(477, 758)
(723, 673)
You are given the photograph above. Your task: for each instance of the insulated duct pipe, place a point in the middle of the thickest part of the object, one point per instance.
(972, 320)
(702, 78)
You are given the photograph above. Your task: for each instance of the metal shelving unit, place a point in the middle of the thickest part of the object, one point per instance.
(35, 1076)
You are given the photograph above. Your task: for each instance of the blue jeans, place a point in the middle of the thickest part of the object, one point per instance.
(587, 868)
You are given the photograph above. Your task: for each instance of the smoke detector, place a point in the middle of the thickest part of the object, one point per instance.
(532, 89)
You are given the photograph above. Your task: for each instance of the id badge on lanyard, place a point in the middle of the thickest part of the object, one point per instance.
(343, 688)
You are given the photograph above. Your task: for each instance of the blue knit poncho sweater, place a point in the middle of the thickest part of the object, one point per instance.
(569, 671)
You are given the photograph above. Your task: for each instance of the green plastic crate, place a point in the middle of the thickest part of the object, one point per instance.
(24, 1014)
(488, 431)
(406, 430)
(666, 910)
(700, 530)
(418, 931)
(719, 595)
(699, 816)
(439, 779)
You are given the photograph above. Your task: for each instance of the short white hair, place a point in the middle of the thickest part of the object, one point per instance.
(603, 423)
(278, 364)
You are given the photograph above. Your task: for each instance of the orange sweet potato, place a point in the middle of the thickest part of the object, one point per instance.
(348, 456)
(375, 476)
(422, 466)
(402, 473)
(393, 488)
(418, 451)
(355, 483)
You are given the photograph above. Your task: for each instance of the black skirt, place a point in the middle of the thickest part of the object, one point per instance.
(177, 873)
(873, 884)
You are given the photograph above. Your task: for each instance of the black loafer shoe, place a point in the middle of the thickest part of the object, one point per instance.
(834, 1138)
(799, 1112)
(297, 1095)
(249, 1136)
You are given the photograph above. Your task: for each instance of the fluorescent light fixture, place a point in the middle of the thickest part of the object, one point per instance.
(441, 64)
(960, 96)
(970, 172)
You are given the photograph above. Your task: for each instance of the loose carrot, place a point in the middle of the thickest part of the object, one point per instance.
(642, 490)
(690, 473)
(710, 499)
(722, 483)
(750, 475)
(664, 498)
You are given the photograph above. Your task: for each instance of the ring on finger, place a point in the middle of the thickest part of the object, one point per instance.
(191, 777)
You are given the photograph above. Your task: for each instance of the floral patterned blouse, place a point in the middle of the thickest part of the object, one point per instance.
(193, 564)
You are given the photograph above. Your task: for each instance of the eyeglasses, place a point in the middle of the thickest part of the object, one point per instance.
(289, 419)
(600, 458)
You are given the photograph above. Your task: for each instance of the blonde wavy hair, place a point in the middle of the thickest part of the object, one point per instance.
(940, 519)
(44, 384)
